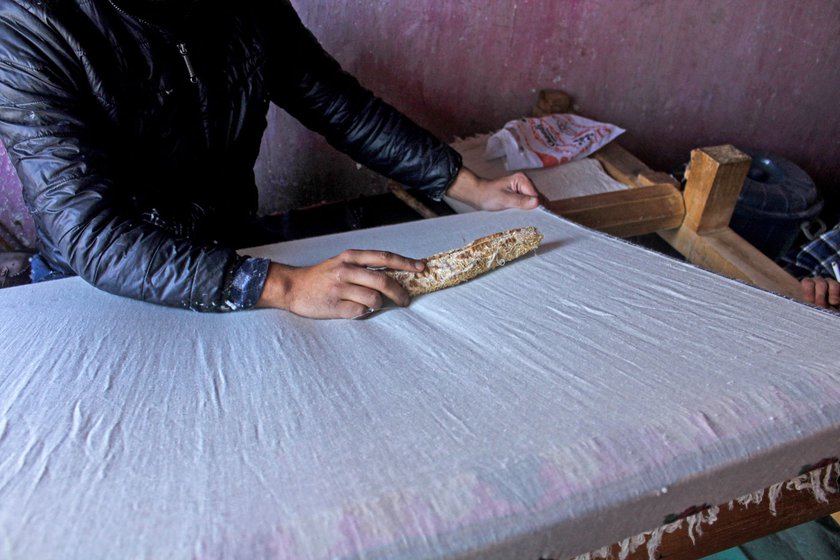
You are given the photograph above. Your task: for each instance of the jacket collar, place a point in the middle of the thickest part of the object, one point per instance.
(170, 14)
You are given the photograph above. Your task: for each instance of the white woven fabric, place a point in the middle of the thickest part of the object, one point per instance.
(555, 405)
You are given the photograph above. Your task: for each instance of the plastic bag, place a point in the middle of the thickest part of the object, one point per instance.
(535, 142)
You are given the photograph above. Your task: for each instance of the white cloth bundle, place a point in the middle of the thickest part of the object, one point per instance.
(531, 143)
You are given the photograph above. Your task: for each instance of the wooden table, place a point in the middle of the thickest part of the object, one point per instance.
(695, 221)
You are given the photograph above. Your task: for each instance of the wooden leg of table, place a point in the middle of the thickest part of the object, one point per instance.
(411, 201)
(714, 181)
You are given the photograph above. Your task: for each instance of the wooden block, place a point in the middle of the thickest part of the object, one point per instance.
(552, 101)
(714, 180)
(621, 165)
(725, 252)
(627, 212)
(648, 178)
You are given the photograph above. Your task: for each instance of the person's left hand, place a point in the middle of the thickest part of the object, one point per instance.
(513, 191)
(822, 292)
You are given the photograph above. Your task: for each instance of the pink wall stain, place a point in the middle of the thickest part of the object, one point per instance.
(19, 229)
(676, 74)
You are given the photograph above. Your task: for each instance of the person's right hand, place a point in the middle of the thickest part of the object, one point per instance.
(342, 287)
(822, 292)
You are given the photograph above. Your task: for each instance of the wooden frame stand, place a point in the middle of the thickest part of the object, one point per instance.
(715, 178)
(695, 222)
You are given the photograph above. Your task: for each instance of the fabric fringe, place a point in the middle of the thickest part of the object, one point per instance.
(820, 482)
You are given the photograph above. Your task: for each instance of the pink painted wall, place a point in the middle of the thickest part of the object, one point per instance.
(677, 74)
(16, 227)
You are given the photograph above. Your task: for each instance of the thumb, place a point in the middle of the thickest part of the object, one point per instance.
(509, 199)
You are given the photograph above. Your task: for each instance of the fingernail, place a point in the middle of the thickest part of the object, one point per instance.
(419, 265)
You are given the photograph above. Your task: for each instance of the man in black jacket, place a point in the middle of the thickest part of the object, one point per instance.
(134, 126)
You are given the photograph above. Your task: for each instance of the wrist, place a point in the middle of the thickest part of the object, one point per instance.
(465, 187)
(277, 290)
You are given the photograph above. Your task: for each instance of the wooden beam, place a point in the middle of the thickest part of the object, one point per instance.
(727, 253)
(625, 213)
(620, 164)
(410, 201)
(626, 168)
(739, 525)
(714, 180)
(648, 178)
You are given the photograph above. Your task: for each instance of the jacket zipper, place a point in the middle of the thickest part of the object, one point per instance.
(182, 48)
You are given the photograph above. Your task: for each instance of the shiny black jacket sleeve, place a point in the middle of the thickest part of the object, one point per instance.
(309, 84)
(61, 150)
(62, 159)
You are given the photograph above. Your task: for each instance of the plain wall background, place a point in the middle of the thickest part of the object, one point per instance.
(677, 74)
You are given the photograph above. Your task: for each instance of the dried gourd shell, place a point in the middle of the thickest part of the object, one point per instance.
(454, 267)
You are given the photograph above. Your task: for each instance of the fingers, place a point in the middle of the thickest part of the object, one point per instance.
(365, 297)
(522, 184)
(807, 290)
(833, 292)
(513, 191)
(517, 200)
(340, 287)
(350, 310)
(382, 259)
(365, 286)
(822, 292)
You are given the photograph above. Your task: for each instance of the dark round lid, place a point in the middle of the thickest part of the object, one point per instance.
(777, 186)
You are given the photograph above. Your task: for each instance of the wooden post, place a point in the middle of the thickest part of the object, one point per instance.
(714, 182)
(715, 178)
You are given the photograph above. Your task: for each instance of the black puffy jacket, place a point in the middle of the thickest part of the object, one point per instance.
(135, 137)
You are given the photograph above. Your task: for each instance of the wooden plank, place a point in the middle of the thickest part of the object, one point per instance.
(648, 178)
(626, 168)
(411, 201)
(621, 165)
(625, 213)
(713, 182)
(727, 253)
(739, 525)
